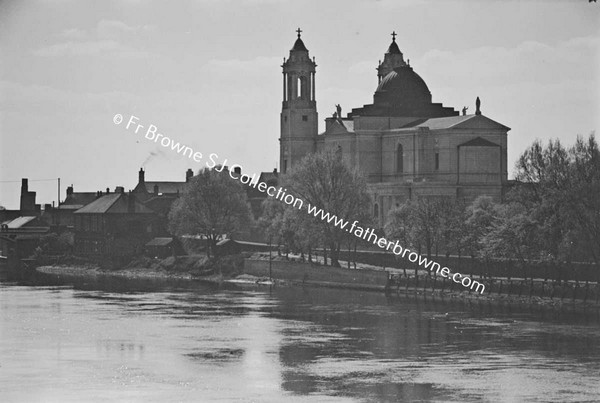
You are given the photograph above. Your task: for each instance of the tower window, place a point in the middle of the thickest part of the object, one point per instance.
(305, 118)
(437, 161)
(399, 159)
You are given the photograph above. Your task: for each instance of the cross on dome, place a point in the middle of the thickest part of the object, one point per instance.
(299, 31)
(394, 36)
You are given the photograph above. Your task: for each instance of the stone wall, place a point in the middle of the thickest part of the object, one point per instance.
(297, 271)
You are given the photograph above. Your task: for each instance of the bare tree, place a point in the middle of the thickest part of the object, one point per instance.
(213, 205)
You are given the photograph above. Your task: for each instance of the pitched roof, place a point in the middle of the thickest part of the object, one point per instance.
(79, 198)
(462, 122)
(479, 142)
(444, 123)
(113, 203)
(19, 222)
(166, 187)
(160, 242)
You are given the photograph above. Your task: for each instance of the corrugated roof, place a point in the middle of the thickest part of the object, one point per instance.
(19, 222)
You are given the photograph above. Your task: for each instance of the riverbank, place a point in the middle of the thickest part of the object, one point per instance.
(180, 270)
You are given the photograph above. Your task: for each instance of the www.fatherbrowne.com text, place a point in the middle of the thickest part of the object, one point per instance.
(368, 234)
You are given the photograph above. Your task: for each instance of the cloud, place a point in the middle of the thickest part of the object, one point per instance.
(90, 48)
(530, 61)
(113, 29)
(259, 64)
(108, 38)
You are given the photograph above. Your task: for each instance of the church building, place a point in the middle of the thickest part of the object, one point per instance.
(405, 145)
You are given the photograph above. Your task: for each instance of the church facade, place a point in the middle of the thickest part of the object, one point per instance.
(406, 146)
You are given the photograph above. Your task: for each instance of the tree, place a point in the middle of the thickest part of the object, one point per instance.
(419, 223)
(324, 181)
(213, 205)
(561, 189)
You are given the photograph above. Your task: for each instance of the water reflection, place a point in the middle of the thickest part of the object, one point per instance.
(65, 339)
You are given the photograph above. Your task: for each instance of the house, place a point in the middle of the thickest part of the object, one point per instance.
(113, 225)
(21, 236)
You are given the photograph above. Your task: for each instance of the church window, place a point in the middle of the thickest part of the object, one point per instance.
(376, 210)
(437, 161)
(399, 159)
(305, 118)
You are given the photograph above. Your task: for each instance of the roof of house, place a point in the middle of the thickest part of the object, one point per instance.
(226, 241)
(79, 198)
(160, 242)
(19, 222)
(113, 203)
(166, 187)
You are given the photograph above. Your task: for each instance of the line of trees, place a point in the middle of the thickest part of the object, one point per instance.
(551, 213)
(324, 181)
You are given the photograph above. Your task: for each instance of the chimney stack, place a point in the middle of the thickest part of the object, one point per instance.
(237, 170)
(70, 190)
(188, 175)
(141, 176)
(24, 186)
(107, 190)
(155, 190)
(119, 189)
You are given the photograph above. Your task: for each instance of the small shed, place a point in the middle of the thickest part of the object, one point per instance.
(228, 247)
(163, 247)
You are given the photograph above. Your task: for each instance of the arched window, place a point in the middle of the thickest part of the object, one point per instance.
(399, 159)
(375, 210)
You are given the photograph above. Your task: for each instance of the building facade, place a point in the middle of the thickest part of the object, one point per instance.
(404, 144)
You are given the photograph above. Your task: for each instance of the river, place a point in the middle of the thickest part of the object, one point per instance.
(70, 340)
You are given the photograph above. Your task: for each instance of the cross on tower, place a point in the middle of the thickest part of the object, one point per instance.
(299, 31)
(394, 36)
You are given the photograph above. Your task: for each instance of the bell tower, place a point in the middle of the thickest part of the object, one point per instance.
(299, 119)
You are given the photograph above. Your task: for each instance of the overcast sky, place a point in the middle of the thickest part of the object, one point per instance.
(207, 73)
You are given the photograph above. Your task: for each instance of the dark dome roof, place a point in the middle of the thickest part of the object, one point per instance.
(393, 49)
(402, 87)
(299, 45)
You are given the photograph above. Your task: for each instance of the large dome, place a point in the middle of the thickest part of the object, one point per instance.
(402, 88)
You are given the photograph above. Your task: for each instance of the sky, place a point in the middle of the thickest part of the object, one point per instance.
(207, 73)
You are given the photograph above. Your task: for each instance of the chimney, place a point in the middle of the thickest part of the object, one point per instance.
(119, 189)
(107, 190)
(274, 170)
(237, 170)
(27, 198)
(188, 175)
(155, 190)
(47, 207)
(141, 176)
(70, 190)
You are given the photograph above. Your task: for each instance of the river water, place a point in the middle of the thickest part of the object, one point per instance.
(69, 340)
